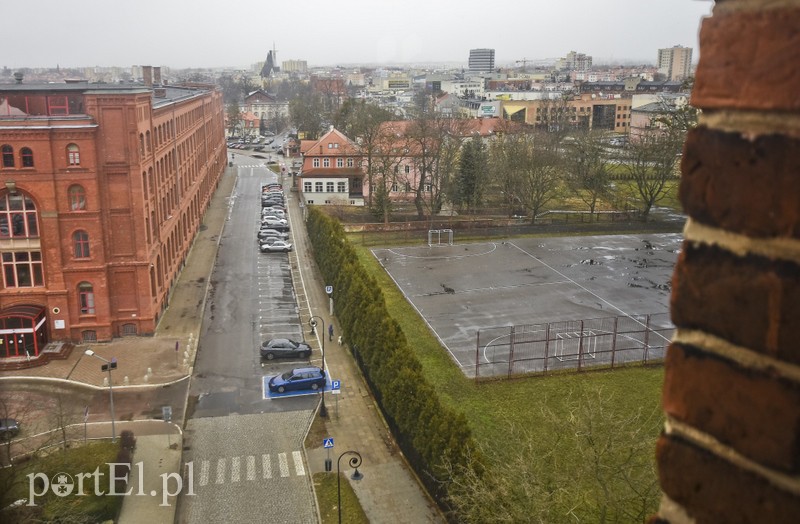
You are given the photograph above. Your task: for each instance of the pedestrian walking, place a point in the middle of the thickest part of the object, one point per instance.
(330, 333)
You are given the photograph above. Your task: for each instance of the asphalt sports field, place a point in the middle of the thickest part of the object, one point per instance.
(571, 301)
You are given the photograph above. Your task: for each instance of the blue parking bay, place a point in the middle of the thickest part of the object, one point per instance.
(269, 395)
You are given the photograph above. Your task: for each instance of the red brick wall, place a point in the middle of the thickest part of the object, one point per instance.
(730, 450)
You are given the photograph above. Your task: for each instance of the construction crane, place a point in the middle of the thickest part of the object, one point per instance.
(524, 63)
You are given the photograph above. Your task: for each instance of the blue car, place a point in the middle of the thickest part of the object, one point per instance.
(298, 379)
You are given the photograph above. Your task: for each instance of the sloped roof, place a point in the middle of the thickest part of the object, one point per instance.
(259, 95)
(332, 143)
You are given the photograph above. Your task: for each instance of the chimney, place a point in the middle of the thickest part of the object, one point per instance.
(147, 75)
(157, 76)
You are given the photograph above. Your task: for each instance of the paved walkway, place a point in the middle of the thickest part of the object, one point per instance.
(389, 491)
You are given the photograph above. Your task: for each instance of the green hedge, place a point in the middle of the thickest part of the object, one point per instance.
(436, 439)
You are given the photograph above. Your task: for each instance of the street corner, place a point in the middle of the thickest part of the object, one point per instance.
(133, 361)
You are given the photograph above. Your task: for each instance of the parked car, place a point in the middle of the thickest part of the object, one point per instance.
(271, 211)
(298, 379)
(273, 222)
(283, 228)
(277, 246)
(9, 428)
(276, 207)
(269, 232)
(284, 347)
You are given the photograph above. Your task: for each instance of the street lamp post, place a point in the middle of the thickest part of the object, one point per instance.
(355, 462)
(323, 411)
(108, 366)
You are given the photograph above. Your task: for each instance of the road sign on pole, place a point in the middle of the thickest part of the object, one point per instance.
(327, 443)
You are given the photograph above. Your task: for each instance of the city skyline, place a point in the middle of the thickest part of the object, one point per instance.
(176, 33)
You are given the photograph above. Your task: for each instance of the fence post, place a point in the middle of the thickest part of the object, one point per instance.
(546, 346)
(614, 342)
(580, 348)
(477, 354)
(646, 338)
(511, 352)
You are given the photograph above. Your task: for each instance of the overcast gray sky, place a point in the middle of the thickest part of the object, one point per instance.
(204, 33)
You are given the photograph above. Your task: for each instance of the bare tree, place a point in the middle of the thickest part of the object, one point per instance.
(540, 171)
(650, 162)
(305, 112)
(586, 168)
(363, 122)
(388, 155)
(434, 142)
(504, 170)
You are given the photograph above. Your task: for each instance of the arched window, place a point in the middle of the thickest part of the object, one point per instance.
(141, 144)
(73, 155)
(80, 240)
(27, 157)
(18, 216)
(86, 298)
(77, 198)
(8, 156)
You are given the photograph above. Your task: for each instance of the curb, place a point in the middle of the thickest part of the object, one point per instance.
(65, 381)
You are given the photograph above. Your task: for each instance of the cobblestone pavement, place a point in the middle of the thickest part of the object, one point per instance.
(263, 464)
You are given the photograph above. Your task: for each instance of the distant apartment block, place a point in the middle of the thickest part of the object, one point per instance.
(574, 62)
(675, 63)
(481, 60)
(294, 66)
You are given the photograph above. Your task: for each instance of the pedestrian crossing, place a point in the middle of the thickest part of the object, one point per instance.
(248, 166)
(245, 468)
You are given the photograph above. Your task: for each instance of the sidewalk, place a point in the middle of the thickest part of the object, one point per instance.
(389, 491)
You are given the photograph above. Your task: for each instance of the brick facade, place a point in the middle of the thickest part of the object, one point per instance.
(146, 160)
(730, 450)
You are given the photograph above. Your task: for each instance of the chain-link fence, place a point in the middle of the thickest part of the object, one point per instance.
(572, 345)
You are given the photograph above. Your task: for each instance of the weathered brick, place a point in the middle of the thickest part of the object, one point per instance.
(749, 410)
(713, 490)
(747, 61)
(749, 301)
(746, 186)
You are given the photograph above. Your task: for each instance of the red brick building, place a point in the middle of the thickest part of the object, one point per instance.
(103, 188)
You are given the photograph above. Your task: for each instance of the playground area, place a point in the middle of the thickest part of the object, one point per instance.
(540, 304)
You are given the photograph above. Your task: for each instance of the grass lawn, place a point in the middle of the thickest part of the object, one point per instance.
(51, 508)
(327, 498)
(584, 442)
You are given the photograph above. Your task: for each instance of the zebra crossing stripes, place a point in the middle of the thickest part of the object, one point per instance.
(251, 467)
(234, 469)
(283, 464)
(265, 466)
(221, 471)
(245, 468)
(299, 470)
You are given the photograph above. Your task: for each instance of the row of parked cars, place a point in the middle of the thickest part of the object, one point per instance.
(273, 235)
(295, 379)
